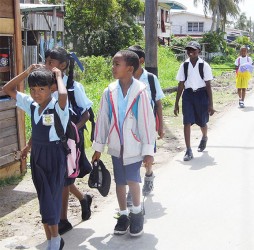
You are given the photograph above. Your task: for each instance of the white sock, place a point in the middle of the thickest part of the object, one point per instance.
(49, 245)
(55, 242)
(136, 210)
(123, 212)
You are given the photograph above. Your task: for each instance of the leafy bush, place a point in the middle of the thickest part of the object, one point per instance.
(214, 41)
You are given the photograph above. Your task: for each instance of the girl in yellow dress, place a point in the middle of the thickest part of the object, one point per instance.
(243, 74)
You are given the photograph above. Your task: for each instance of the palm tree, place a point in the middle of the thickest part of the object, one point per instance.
(241, 22)
(220, 9)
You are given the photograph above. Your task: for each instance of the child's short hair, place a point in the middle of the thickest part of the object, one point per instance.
(59, 54)
(41, 77)
(138, 50)
(131, 58)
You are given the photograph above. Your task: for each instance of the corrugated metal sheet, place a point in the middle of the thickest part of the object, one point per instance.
(38, 22)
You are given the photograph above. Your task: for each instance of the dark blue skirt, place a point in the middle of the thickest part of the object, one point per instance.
(48, 166)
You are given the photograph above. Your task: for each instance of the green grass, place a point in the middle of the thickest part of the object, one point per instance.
(14, 180)
(98, 75)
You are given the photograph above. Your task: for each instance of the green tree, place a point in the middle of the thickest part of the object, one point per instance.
(220, 9)
(241, 22)
(102, 27)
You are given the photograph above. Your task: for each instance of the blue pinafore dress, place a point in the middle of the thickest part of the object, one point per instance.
(48, 167)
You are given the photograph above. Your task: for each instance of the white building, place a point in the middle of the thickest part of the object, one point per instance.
(184, 23)
(163, 17)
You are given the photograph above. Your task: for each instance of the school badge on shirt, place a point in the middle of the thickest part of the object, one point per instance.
(48, 119)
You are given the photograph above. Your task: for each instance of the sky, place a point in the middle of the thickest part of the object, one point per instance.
(247, 6)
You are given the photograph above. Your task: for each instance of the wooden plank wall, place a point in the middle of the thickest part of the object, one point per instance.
(7, 9)
(8, 132)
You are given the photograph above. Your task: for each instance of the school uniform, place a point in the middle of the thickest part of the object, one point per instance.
(159, 93)
(128, 132)
(195, 99)
(48, 161)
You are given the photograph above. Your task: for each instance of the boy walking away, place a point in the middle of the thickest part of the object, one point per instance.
(126, 123)
(156, 94)
(48, 160)
(194, 76)
(244, 68)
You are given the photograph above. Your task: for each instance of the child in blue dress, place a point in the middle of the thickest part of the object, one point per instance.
(60, 58)
(48, 160)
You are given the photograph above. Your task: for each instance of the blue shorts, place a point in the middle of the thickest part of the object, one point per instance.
(195, 107)
(124, 173)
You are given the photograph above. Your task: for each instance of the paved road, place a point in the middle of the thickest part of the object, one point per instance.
(204, 204)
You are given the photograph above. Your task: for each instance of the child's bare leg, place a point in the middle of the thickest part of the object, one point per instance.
(135, 192)
(47, 231)
(243, 94)
(239, 91)
(187, 133)
(204, 131)
(76, 192)
(149, 170)
(121, 196)
(65, 199)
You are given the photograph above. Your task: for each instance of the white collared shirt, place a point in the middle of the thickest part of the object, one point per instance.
(194, 79)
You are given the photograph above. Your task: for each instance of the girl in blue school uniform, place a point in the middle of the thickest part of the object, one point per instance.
(48, 160)
(60, 58)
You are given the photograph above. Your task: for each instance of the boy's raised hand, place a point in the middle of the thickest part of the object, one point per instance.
(33, 67)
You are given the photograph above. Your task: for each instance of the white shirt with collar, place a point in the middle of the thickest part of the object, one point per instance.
(194, 79)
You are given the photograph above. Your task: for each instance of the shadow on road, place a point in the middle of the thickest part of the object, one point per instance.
(200, 162)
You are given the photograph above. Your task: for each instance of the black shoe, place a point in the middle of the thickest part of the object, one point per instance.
(202, 145)
(188, 155)
(86, 207)
(122, 225)
(64, 226)
(136, 224)
(61, 244)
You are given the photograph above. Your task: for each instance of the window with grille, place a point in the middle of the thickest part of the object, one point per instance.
(195, 27)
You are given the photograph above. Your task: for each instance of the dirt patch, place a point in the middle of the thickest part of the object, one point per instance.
(20, 221)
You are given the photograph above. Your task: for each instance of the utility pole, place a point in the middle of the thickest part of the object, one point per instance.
(151, 61)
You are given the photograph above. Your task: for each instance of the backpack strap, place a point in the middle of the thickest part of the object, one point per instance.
(185, 68)
(153, 91)
(201, 70)
(92, 120)
(152, 86)
(60, 132)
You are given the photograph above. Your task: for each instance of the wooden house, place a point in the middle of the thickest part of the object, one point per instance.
(12, 119)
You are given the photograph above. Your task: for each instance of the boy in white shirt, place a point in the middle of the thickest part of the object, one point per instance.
(194, 76)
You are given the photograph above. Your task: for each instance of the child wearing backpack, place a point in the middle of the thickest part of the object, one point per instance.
(244, 68)
(79, 106)
(155, 94)
(126, 124)
(48, 160)
(194, 76)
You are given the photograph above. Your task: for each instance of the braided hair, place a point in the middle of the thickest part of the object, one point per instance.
(61, 55)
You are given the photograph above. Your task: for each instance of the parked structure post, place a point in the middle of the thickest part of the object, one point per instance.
(151, 61)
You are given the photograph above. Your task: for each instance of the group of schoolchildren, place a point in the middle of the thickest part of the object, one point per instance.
(126, 123)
